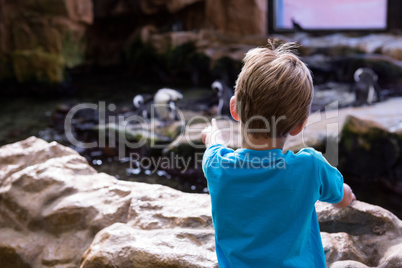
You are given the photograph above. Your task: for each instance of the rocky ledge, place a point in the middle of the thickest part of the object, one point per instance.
(57, 211)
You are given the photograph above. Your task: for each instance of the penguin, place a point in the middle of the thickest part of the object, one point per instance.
(142, 104)
(296, 26)
(165, 104)
(224, 93)
(366, 87)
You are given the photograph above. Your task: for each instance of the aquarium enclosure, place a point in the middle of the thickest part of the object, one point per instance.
(103, 102)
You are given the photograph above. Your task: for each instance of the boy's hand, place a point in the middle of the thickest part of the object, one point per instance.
(212, 135)
(348, 197)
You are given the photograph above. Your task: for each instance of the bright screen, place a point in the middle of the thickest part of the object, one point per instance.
(331, 14)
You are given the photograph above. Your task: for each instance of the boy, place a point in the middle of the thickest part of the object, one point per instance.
(263, 198)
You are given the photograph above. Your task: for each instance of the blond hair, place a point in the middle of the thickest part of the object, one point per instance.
(274, 86)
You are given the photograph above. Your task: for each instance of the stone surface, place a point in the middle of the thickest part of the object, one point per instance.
(46, 36)
(362, 233)
(393, 49)
(144, 132)
(341, 43)
(57, 211)
(122, 246)
(52, 203)
(153, 6)
(189, 141)
(237, 17)
(327, 69)
(40, 38)
(348, 264)
(375, 146)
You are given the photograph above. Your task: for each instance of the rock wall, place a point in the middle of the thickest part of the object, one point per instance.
(38, 39)
(167, 24)
(57, 211)
(237, 17)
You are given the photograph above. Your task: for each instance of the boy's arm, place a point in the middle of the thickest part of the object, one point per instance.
(212, 135)
(348, 197)
(332, 188)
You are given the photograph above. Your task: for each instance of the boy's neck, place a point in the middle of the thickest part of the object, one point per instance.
(261, 142)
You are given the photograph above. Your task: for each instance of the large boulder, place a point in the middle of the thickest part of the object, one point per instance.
(376, 149)
(360, 235)
(52, 204)
(57, 211)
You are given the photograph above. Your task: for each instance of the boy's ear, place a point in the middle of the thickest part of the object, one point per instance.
(299, 128)
(233, 111)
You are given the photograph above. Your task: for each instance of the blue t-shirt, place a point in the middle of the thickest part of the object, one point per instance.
(263, 205)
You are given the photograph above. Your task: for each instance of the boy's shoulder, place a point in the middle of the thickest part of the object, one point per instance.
(216, 148)
(216, 151)
(310, 154)
(308, 151)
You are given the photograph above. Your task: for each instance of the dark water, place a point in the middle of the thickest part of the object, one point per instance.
(22, 117)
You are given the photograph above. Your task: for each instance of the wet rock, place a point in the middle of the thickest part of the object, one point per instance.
(189, 142)
(155, 132)
(377, 149)
(63, 108)
(328, 93)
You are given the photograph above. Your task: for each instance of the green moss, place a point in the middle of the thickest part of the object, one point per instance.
(366, 149)
(73, 50)
(37, 65)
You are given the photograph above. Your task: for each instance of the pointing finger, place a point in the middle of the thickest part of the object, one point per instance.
(213, 122)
